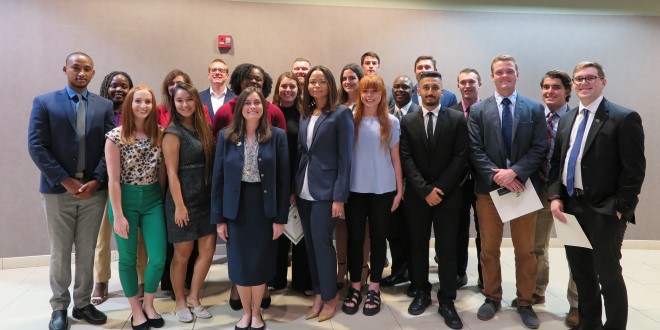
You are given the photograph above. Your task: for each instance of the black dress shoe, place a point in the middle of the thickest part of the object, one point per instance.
(461, 281)
(142, 326)
(265, 302)
(448, 311)
(90, 314)
(420, 302)
(157, 322)
(394, 279)
(58, 320)
(235, 304)
(411, 291)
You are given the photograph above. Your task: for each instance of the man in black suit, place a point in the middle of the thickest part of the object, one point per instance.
(469, 83)
(597, 171)
(218, 94)
(508, 141)
(434, 144)
(397, 233)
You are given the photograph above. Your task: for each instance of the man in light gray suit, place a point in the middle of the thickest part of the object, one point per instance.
(508, 142)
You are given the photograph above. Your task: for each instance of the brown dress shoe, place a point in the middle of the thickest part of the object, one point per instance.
(573, 317)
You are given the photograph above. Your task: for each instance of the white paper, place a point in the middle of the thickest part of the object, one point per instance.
(516, 204)
(293, 229)
(570, 233)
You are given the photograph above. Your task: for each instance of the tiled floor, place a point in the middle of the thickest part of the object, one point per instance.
(24, 294)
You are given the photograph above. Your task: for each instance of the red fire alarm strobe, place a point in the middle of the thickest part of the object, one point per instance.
(225, 41)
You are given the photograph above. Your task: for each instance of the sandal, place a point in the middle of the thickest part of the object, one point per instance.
(100, 294)
(373, 298)
(354, 297)
(199, 310)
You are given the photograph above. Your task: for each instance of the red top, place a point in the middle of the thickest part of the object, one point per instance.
(225, 114)
(164, 115)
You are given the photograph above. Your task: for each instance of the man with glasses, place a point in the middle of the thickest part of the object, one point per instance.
(218, 94)
(597, 171)
(508, 142)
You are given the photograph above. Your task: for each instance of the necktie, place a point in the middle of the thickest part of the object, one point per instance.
(467, 112)
(551, 142)
(575, 151)
(507, 125)
(429, 127)
(398, 114)
(80, 130)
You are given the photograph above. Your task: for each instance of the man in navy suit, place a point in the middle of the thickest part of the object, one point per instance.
(397, 234)
(427, 63)
(66, 139)
(218, 94)
(508, 142)
(596, 174)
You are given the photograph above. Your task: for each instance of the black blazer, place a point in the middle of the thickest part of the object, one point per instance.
(438, 164)
(613, 163)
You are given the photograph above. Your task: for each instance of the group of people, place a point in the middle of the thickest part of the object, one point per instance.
(363, 163)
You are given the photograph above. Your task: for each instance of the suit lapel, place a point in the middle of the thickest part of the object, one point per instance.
(302, 133)
(566, 133)
(318, 123)
(492, 117)
(440, 126)
(599, 118)
(69, 111)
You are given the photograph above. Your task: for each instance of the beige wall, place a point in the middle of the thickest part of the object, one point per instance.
(148, 38)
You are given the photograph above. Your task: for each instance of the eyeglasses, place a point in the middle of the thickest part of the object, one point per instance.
(589, 79)
(219, 70)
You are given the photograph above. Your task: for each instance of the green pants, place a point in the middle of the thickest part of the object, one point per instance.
(143, 208)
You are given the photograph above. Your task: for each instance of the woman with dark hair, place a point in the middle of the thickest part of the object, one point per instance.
(188, 150)
(248, 75)
(136, 181)
(288, 96)
(114, 87)
(376, 190)
(165, 108)
(250, 199)
(350, 77)
(325, 144)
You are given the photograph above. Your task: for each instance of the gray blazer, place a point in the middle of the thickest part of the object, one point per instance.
(528, 149)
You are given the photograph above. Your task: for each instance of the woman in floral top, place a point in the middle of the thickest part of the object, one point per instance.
(136, 183)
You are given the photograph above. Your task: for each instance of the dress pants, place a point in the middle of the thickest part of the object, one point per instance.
(72, 221)
(318, 227)
(463, 238)
(522, 235)
(300, 279)
(445, 226)
(598, 272)
(544, 223)
(398, 237)
(102, 253)
(143, 208)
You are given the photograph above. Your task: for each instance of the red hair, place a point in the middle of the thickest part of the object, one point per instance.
(372, 81)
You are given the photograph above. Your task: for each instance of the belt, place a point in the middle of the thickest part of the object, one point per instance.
(577, 192)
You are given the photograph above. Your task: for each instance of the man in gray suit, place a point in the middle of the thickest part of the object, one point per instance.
(508, 142)
(66, 140)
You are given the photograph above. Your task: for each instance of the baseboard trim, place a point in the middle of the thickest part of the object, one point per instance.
(221, 249)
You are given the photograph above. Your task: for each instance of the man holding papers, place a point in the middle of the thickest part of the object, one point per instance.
(508, 142)
(597, 170)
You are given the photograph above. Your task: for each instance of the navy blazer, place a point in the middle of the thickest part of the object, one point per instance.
(328, 160)
(528, 149)
(273, 165)
(53, 141)
(447, 100)
(205, 95)
(613, 163)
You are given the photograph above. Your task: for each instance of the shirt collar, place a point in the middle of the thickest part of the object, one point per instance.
(73, 93)
(213, 94)
(511, 98)
(593, 106)
(405, 107)
(435, 111)
(560, 112)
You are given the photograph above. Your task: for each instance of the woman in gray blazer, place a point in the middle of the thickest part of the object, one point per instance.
(325, 147)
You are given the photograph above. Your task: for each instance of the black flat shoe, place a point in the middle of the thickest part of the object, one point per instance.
(235, 304)
(142, 326)
(58, 320)
(90, 314)
(157, 322)
(265, 302)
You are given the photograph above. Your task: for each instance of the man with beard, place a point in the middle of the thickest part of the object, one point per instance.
(434, 145)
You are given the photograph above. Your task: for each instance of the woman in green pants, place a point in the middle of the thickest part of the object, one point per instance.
(136, 181)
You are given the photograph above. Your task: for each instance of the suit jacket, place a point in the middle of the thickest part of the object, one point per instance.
(487, 151)
(205, 95)
(273, 165)
(413, 107)
(613, 163)
(447, 100)
(53, 141)
(327, 161)
(440, 163)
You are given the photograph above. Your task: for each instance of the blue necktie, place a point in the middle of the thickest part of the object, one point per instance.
(507, 125)
(575, 151)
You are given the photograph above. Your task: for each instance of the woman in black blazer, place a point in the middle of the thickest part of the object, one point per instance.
(325, 147)
(250, 199)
